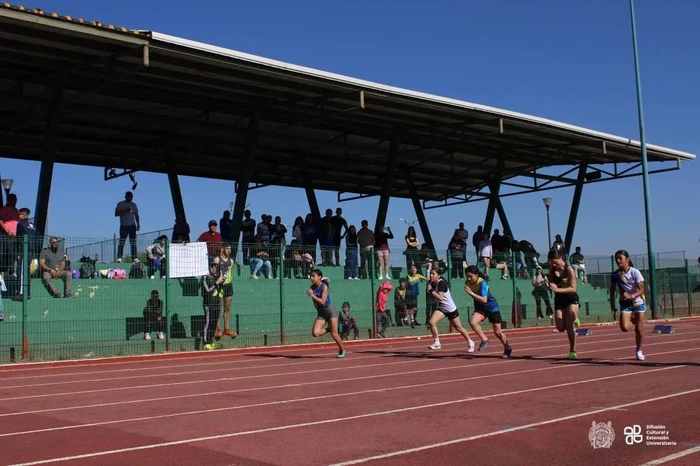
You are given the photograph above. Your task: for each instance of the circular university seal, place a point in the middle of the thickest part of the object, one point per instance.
(601, 435)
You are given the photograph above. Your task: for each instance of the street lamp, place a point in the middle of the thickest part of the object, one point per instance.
(547, 202)
(7, 185)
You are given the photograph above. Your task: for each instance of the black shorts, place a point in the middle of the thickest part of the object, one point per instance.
(227, 288)
(450, 315)
(494, 317)
(412, 301)
(562, 301)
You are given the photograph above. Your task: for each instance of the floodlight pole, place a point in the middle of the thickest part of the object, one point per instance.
(645, 174)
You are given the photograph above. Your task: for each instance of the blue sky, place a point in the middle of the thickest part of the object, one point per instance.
(567, 61)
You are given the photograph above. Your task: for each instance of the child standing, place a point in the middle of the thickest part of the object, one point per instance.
(212, 293)
(153, 317)
(349, 322)
(380, 306)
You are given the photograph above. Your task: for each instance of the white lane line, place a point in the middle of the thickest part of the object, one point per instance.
(292, 385)
(243, 354)
(297, 400)
(405, 345)
(381, 413)
(506, 431)
(674, 456)
(71, 408)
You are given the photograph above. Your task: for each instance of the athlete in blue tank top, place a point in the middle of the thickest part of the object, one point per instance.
(485, 306)
(319, 292)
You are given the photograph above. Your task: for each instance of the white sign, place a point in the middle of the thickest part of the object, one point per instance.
(188, 260)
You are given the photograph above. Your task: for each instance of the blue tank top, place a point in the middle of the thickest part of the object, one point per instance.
(318, 292)
(481, 287)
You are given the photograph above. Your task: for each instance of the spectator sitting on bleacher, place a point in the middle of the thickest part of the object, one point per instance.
(348, 322)
(153, 317)
(156, 257)
(578, 264)
(53, 265)
(261, 259)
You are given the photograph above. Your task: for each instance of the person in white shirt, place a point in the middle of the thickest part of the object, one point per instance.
(629, 282)
(129, 224)
(440, 291)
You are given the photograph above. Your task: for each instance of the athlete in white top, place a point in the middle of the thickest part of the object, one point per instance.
(629, 282)
(439, 290)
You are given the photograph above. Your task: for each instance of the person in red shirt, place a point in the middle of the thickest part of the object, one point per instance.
(213, 240)
(11, 245)
(383, 317)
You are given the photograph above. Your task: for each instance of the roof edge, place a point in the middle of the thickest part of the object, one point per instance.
(430, 98)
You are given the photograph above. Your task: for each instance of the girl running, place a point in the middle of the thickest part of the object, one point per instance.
(438, 289)
(485, 305)
(630, 284)
(320, 296)
(562, 281)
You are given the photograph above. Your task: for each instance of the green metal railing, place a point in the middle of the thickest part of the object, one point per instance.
(105, 316)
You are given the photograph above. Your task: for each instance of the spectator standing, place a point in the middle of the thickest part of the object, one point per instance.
(213, 240)
(129, 224)
(26, 227)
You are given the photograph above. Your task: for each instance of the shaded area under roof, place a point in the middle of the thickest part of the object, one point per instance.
(141, 100)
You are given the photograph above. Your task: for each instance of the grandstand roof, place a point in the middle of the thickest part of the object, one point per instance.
(143, 100)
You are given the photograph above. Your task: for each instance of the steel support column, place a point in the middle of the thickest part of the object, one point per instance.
(504, 219)
(494, 188)
(575, 202)
(53, 122)
(420, 214)
(313, 202)
(247, 171)
(387, 183)
(176, 194)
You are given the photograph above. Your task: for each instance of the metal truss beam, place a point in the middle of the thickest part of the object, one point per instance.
(251, 186)
(594, 175)
(353, 196)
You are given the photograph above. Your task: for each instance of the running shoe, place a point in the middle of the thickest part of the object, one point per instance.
(209, 347)
(640, 355)
(483, 345)
(230, 333)
(572, 354)
(577, 323)
(470, 348)
(218, 335)
(434, 346)
(341, 354)
(507, 351)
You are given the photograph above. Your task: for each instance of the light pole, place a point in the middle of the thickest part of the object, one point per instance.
(645, 173)
(547, 202)
(7, 186)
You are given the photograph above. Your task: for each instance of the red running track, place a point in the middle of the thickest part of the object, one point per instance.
(388, 402)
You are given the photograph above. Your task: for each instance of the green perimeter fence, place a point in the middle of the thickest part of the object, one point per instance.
(104, 315)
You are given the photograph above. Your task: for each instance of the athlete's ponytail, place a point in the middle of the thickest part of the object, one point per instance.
(474, 270)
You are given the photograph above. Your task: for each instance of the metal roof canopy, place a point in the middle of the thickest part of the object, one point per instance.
(142, 100)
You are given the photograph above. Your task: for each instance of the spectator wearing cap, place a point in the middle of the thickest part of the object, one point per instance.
(129, 224)
(213, 240)
(347, 322)
(26, 227)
